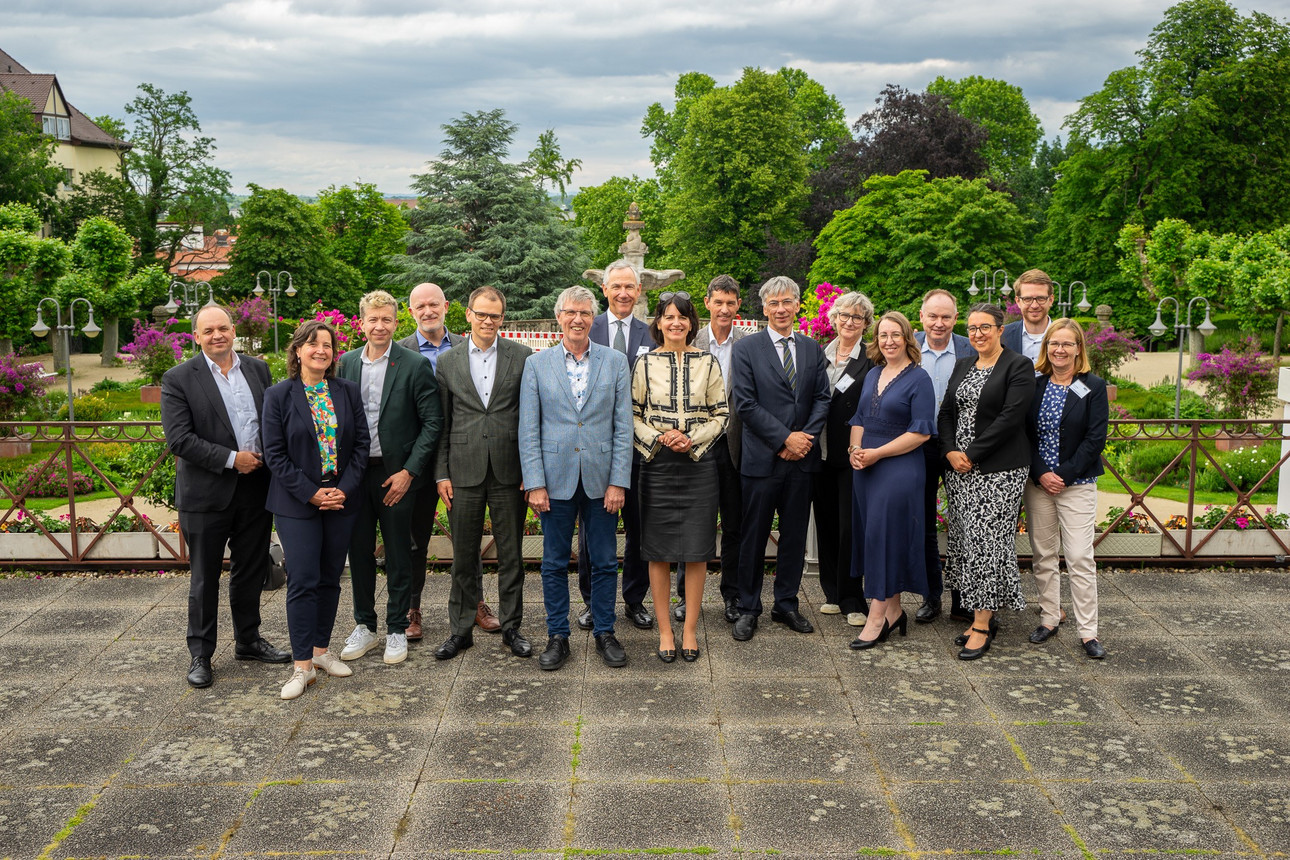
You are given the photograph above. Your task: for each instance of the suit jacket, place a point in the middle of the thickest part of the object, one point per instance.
(639, 340)
(1083, 430)
(770, 408)
(560, 444)
(411, 342)
(1012, 332)
(734, 427)
(842, 408)
(199, 432)
(963, 347)
(1000, 443)
(410, 417)
(291, 445)
(475, 436)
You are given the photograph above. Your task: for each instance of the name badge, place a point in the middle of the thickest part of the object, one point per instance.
(641, 350)
(1079, 388)
(845, 382)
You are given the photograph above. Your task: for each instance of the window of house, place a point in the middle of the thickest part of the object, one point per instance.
(56, 126)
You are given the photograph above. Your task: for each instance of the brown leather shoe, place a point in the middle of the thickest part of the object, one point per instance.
(486, 620)
(414, 625)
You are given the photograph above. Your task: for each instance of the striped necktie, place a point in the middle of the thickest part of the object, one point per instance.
(789, 369)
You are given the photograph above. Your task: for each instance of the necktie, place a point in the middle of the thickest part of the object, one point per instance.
(620, 342)
(789, 370)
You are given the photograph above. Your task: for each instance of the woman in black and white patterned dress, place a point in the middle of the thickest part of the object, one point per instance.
(982, 429)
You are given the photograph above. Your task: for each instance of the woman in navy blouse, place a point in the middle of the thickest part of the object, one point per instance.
(1067, 429)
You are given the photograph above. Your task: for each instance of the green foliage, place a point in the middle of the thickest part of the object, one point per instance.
(101, 193)
(1244, 466)
(601, 209)
(667, 128)
(1032, 185)
(29, 266)
(819, 114)
(26, 173)
(1148, 459)
(908, 233)
(483, 220)
(365, 230)
(1002, 110)
(454, 318)
(740, 172)
(546, 162)
(101, 261)
(89, 407)
(159, 488)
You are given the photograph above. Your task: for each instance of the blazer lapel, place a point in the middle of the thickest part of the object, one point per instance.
(771, 346)
(464, 381)
(505, 359)
(393, 367)
(207, 384)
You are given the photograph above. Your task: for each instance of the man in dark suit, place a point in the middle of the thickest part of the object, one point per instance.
(1034, 292)
(210, 411)
(478, 468)
(402, 406)
(619, 329)
(431, 339)
(781, 391)
(941, 349)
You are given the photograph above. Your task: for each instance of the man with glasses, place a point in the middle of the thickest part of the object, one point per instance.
(941, 348)
(576, 458)
(1034, 292)
(780, 389)
(477, 468)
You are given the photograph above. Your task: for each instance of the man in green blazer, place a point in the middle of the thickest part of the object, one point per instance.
(404, 417)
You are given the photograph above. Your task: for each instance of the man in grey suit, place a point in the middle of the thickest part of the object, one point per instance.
(1034, 292)
(941, 349)
(576, 457)
(718, 337)
(210, 412)
(478, 467)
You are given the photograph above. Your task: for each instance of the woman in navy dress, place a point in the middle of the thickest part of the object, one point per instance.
(896, 415)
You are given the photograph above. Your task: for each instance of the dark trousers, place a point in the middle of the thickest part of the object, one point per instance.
(245, 526)
(396, 527)
(831, 500)
(599, 528)
(786, 491)
(315, 549)
(730, 497)
(932, 553)
(423, 511)
(505, 505)
(635, 571)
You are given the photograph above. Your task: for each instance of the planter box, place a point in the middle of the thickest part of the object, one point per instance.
(33, 547)
(150, 394)
(15, 446)
(132, 545)
(1231, 542)
(37, 547)
(1142, 545)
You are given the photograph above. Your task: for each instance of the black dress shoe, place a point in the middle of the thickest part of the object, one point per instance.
(859, 644)
(961, 639)
(689, 655)
(732, 610)
(928, 611)
(678, 611)
(515, 640)
(557, 651)
(614, 655)
(1042, 634)
(974, 653)
(260, 650)
(199, 673)
(1094, 649)
(585, 621)
(792, 619)
(745, 627)
(452, 646)
(667, 655)
(639, 618)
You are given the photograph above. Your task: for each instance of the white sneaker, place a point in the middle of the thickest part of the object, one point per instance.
(830, 609)
(359, 643)
(396, 648)
(856, 619)
(300, 681)
(329, 664)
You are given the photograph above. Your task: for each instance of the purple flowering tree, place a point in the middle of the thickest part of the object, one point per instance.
(154, 350)
(21, 386)
(252, 317)
(1240, 383)
(1108, 349)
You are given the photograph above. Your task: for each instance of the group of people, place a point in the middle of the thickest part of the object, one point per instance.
(667, 426)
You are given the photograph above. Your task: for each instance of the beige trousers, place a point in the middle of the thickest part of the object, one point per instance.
(1066, 522)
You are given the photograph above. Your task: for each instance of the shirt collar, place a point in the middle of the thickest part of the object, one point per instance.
(569, 354)
(423, 341)
(474, 347)
(949, 347)
(712, 336)
(381, 357)
(215, 368)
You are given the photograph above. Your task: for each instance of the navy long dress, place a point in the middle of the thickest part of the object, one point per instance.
(887, 505)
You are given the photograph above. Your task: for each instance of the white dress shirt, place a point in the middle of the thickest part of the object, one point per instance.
(483, 369)
(239, 403)
(373, 382)
(721, 352)
(940, 367)
(1030, 343)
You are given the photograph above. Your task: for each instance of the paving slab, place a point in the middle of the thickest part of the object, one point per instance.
(979, 815)
(30, 818)
(322, 817)
(811, 818)
(932, 753)
(664, 816)
(662, 751)
(488, 816)
(832, 753)
(1230, 752)
(489, 752)
(87, 756)
(1093, 751)
(1157, 817)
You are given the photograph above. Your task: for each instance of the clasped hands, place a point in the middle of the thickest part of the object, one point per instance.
(959, 462)
(676, 441)
(862, 457)
(328, 499)
(796, 446)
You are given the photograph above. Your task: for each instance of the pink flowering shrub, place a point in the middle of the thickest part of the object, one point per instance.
(54, 481)
(155, 350)
(1108, 349)
(252, 317)
(813, 320)
(1240, 383)
(348, 332)
(21, 386)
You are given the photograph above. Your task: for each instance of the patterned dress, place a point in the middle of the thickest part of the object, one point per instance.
(981, 561)
(324, 415)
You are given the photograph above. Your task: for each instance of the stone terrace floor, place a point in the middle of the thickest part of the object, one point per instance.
(787, 745)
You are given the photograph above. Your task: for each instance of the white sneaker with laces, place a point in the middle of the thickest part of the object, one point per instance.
(396, 648)
(329, 664)
(300, 681)
(359, 643)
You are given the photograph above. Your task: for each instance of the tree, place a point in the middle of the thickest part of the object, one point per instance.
(909, 233)
(546, 163)
(484, 220)
(29, 266)
(740, 172)
(280, 232)
(601, 209)
(26, 173)
(1001, 109)
(1032, 185)
(101, 262)
(820, 115)
(667, 128)
(171, 167)
(365, 231)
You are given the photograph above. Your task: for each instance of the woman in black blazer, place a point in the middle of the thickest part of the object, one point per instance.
(316, 440)
(1067, 429)
(848, 362)
(982, 430)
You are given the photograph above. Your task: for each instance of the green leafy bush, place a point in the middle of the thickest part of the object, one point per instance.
(91, 407)
(159, 489)
(1244, 466)
(1149, 458)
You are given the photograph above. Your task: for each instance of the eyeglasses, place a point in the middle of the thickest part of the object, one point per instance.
(849, 318)
(493, 318)
(667, 297)
(1062, 344)
(891, 335)
(1032, 300)
(580, 314)
(981, 329)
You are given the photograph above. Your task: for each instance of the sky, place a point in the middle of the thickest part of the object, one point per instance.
(303, 95)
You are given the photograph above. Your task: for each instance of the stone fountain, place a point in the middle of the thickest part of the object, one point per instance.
(634, 251)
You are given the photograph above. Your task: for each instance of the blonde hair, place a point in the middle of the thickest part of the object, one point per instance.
(1044, 366)
(377, 299)
(907, 334)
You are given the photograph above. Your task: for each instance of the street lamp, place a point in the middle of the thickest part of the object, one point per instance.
(189, 295)
(1064, 306)
(990, 287)
(274, 289)
(90, 330)
(1158, 328)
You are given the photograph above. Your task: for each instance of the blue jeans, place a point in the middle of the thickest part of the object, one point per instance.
(601, 529)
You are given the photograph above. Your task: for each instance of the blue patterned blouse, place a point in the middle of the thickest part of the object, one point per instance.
(324, 413)
(1050, 427)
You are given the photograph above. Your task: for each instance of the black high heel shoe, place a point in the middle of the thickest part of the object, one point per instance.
(974, 653)
(961, 639)
(901, 623)
(858, 644)
(667, 655)
(689, 655)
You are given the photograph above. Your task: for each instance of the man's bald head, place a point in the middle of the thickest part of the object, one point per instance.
(428, 304)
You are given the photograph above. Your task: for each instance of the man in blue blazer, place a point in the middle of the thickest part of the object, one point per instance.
(620, 330)
(941, 350)
(576, 459)
(1034, 292)
(781, 391)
